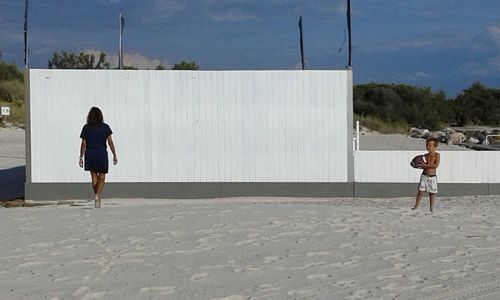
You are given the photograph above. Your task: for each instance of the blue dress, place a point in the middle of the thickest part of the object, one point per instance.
(96, 156)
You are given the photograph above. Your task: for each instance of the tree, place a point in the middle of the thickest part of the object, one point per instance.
(186, 65)
(391, 103)
(160, 67)
(11, 82)
(477, 105)
(78, 61)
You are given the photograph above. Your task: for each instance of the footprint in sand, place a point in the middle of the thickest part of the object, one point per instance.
(302, 293)
(344, 283)
(318, 253)
(162, 290)
(94, 295)
(81, 291)
(319, 276)
(232, 297)
(199, 276)
(268, 288)
(417, 279)
(361, 294)
(271, 259)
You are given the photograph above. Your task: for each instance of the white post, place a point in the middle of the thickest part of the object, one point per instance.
(357, 135)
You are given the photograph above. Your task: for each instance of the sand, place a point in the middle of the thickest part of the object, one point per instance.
(252, 248)
(245, 248)
(370, 141)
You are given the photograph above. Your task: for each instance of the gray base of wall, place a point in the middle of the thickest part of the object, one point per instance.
(64, 191)
(389, 190)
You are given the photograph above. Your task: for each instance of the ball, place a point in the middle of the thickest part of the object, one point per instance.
(418, 160)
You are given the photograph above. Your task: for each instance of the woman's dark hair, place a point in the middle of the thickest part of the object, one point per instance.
(95, 117)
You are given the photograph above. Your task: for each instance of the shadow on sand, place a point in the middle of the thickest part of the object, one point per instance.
(12, 183)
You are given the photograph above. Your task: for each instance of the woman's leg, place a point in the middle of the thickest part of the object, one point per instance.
(95, 177)
(100, 185)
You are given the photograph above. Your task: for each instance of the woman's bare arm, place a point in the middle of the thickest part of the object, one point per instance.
(112, 147)
(83, 147)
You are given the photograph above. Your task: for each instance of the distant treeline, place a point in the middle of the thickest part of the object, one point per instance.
(400, 104)
(420, 107)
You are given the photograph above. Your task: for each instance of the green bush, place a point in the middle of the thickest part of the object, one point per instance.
(381, 126)
(11, 90)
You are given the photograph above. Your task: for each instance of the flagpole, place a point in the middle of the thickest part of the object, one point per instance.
(349, 63)
(120, 53)
(26, 49)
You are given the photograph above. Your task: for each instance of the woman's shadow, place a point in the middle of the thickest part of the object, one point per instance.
(12, 183)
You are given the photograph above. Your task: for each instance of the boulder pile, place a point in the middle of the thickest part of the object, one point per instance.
(458, 137)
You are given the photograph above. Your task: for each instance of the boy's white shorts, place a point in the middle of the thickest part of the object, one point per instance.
(428, 184)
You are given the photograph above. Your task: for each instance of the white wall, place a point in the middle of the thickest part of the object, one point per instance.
(195, 126)
(455, 166)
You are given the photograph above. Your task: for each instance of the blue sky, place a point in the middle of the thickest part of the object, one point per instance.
(445, 44)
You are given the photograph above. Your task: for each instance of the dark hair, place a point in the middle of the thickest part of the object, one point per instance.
(95, 117)
(433, 140)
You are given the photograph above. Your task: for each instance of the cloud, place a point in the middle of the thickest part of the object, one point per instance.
(233, 16)
(474, 68)
(168, 7)
(139, 61)
(108, 2)
(136, 60)
(12, 36)
(494, 34)
(421, 74)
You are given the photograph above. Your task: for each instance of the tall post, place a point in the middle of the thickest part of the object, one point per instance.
(26, 48)
(120, 53)
(301, 43)
(349, 63)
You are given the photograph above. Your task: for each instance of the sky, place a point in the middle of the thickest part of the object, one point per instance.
(443, 44)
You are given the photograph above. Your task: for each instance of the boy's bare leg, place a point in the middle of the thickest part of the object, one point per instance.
(431, 200)
(417, 201)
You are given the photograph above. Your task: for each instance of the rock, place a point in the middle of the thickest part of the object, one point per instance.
(448, 130)
(456, 138)
(14, 203)
(478, 135)
(441, 136)
(419, 133)
(473, 140)
(425, 133)
(492, 140)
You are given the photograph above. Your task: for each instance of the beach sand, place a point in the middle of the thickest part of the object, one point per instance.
(246, 248)
(252, 248)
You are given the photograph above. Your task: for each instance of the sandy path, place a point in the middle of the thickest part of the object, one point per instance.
(400, 142)
(253, 248)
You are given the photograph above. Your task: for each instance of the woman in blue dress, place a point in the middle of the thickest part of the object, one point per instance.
(94, 136)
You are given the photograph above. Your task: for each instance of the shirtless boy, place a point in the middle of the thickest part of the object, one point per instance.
(428, 179)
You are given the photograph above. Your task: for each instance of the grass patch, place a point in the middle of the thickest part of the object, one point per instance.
(377, 124)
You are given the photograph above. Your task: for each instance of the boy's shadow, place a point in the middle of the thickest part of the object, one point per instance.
(12, 183)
